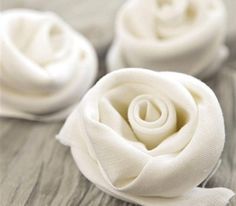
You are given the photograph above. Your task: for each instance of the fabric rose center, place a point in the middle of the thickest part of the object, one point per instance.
(152, 119)
(169, 11)
(42, 44)
(173, 17)
(142, 115)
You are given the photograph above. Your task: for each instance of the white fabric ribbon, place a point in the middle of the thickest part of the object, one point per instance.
(149, 138)
(174, 35)
(45, 65)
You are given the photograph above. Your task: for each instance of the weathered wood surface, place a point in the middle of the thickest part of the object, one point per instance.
(36, 170)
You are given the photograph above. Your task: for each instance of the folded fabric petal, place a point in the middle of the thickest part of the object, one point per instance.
(171, 35)
(149, 138)
(45, 65)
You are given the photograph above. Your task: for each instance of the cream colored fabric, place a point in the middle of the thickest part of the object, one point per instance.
(173, 35)
(149, 138)
(45, 65)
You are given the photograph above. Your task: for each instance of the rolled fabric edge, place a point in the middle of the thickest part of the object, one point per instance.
(7, 111)
(114, 61)
(201, 196)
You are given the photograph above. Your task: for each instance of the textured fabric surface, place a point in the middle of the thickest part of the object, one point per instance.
(45, 65)
(185, 36)
(149, 138)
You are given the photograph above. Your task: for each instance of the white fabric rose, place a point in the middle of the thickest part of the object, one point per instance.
(149, 138)
(174, 35)
(45, 65)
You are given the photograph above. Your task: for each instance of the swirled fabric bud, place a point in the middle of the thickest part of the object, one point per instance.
(149, 138)
(171, 35)
(45, 65)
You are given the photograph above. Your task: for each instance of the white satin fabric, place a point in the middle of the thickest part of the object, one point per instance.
(45, 65)
(174, 35)
(149, 138)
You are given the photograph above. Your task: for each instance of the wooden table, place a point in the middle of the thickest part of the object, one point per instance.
(36, 170)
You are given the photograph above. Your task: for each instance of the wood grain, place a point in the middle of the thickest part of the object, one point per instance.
(36, 170)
